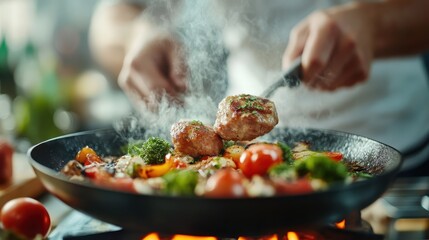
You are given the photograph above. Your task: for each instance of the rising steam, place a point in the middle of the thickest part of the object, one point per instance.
(206, 75)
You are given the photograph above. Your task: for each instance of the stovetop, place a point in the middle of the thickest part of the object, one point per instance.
(407, 199)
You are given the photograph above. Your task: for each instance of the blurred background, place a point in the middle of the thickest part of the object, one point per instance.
(49, 83)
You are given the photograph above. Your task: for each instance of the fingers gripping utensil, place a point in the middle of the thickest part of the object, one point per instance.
(291, 78)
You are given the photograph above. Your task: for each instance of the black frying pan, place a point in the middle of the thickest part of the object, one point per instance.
(221, 217)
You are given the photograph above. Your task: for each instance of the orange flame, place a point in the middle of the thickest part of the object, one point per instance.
(186, 237)
(292, 236)
(154, 236)
(341, 224)
(270, 237)
(151, 236)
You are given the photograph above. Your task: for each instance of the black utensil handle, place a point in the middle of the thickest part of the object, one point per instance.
(294, 75)
(291, 78)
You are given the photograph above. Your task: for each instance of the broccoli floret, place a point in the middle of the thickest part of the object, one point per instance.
(283, 171)
(287, 152)
(321, 167)
(152, 151)
(180, 182)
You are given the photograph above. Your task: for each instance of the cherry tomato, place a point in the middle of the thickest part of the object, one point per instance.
(26, 217)
(299, 186)
(258, 158)
(226, 182)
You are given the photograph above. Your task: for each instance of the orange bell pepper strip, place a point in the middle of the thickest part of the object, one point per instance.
(150, 171)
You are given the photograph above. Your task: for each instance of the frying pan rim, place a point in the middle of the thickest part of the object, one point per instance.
(393, 170)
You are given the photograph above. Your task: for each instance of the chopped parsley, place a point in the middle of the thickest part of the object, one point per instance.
(196, 122)
(251, 103)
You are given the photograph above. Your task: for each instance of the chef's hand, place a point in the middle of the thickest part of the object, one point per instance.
(153, 66)
(336, 47)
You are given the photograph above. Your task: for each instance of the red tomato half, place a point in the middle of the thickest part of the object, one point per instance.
(26, 217)
(226, 182)
(258, 158)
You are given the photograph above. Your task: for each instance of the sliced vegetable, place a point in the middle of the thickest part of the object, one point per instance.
(299, 186)
(222, 162)
(336, 156)
(150, 171)
(226, 182)
(180, 182)
(120, 184)
(234, 152)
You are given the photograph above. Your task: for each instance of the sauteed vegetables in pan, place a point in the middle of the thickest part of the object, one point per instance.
(220, 161)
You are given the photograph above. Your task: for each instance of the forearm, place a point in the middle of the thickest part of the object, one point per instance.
(401, 27)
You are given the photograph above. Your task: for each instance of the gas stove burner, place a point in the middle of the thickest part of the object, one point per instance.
(78, 226)
(407, 207)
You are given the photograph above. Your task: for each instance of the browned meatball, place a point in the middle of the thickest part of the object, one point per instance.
(195, 139)
(245, 117)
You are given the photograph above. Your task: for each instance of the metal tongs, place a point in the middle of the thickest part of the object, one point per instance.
(291, 78)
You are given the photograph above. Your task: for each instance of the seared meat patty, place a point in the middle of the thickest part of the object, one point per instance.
(245, 117)
(195, 139)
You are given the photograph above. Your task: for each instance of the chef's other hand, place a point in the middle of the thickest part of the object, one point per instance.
(336, 45)
(153, 66)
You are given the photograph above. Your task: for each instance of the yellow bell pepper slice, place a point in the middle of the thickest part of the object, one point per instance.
(150, 171)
